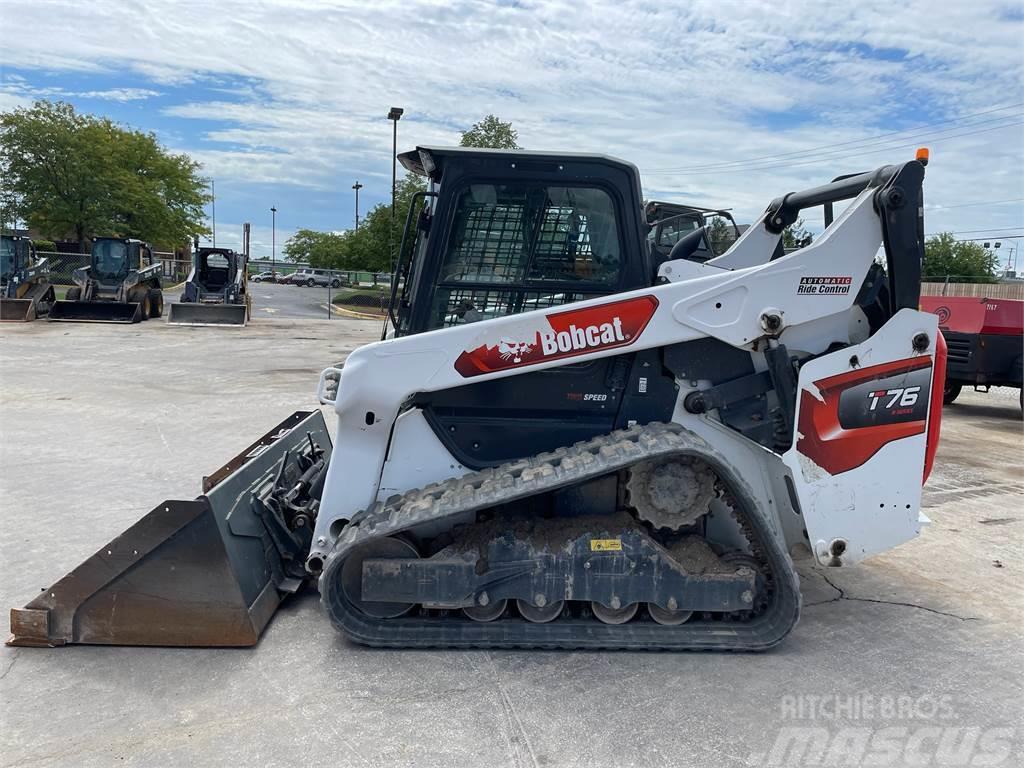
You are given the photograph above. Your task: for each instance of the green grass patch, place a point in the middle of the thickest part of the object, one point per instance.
(362, 299)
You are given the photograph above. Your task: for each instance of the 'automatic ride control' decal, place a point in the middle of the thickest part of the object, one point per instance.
(570, 333)
(830, 285)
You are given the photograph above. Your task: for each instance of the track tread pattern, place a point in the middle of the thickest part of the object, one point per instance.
(539, 474)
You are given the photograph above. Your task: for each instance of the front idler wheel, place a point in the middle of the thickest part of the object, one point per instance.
(352, 576)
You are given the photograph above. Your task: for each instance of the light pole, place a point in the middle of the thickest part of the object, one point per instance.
(213, 209)
(273, 242)
(394, 116)
(357, 186)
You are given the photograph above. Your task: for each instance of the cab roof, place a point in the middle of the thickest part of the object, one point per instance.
(431, 161)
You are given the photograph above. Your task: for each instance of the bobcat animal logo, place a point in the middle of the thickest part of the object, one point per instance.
(514, 350)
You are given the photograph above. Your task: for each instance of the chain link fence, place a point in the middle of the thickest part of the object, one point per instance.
(63, 265)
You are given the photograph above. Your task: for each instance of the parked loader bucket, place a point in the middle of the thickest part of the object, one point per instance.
(188, 313)
(17, 310)
(96, 312)
(207, 572)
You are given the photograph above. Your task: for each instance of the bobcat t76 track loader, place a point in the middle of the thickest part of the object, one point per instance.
(558, 444)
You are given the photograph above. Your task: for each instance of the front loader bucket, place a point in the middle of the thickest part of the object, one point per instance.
(96, 312)
(206, 572)
(206, 314)
(17, 310)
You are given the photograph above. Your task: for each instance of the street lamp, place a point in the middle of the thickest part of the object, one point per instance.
(273, 242)
(357, 186)
(213, 209)
(394, 115)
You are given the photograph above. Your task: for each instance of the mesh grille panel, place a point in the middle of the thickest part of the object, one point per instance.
(491, 246)
(520, 237)
(454, 306)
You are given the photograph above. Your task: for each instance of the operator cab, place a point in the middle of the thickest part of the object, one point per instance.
(507, 231)
(16, 253)
(114, 257)
(520, 231)
(216, 268)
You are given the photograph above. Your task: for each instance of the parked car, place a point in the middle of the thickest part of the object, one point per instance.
(311, 277)
(287, 279)
(263, 277)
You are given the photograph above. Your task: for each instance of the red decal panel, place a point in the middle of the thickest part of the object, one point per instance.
(877, 403)
(572, 332)
(935, 414)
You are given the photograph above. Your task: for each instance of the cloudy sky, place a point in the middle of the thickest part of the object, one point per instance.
(719, 103)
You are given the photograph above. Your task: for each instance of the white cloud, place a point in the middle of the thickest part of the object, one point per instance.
(15, 91)
(304, 88)
(117, 94)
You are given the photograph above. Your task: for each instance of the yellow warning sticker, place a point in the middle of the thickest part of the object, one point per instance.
(606, 545)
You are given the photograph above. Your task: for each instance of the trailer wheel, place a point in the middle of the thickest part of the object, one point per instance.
(73, 294)
(156, 303)
(950, 392)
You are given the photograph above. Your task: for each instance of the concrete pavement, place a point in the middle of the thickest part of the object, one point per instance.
(100, 422)
(288, 302)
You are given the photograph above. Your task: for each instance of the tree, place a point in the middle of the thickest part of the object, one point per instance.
(962, 261)
(370, 246)
(318, 249)
(721, 234)
(367, 248)
(65, 172)
(492, 133)
(796, 235)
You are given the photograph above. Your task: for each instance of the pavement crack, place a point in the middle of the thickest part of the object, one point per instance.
(9, 667)
(841, 595)
(519, 743)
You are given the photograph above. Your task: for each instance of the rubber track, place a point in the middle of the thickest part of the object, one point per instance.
(540, 474)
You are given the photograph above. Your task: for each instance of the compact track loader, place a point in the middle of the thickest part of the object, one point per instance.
(25, 290)
(559, 443)
(121, 284)
(215, 293)
(670, 223)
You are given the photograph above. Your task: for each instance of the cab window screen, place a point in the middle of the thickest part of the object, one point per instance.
(111, 259)
(517, 247)
(7, 254)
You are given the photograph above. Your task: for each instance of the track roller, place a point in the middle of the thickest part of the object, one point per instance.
(540, 614)
(614, 615)
(488, 612)
(667, 617)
